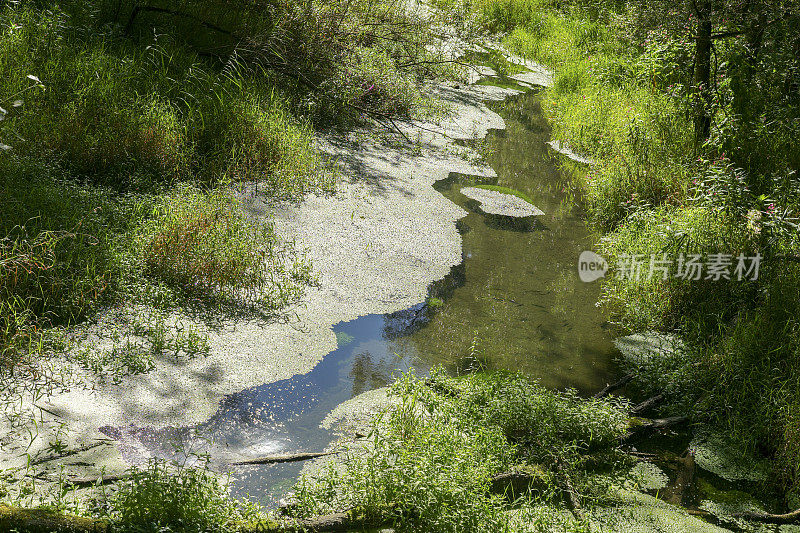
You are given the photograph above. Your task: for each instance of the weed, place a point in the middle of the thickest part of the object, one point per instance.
(160, 498)
(431, 458)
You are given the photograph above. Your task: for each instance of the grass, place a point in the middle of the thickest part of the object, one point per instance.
(163, 499)
(621, 96)
(121, 134)
(127, 135)
(431, 458)
(203, 245)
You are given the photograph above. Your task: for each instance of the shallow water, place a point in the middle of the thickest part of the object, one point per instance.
(515, 302)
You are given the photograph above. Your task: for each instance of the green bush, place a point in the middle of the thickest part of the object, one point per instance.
(203, 245)
(432, 456)
(161, 499)
(674, 303)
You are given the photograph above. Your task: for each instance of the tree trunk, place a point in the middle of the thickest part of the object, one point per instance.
(702, 73)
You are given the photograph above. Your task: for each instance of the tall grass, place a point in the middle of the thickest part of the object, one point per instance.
(204, 246)
(621, 96)
(431, 458)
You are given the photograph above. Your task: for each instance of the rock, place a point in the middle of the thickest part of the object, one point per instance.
(500, 203)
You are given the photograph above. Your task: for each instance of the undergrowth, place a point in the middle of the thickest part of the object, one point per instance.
(623, 94)
(430, 459)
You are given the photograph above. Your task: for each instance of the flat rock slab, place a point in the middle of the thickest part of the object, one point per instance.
(500, 203)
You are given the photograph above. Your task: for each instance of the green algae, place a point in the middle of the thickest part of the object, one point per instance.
(647, 476)
(343, 339)
(717, 454)
(505, 190)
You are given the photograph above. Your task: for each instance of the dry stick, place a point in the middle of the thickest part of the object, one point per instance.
(68, 453)
(573, 501)
(95, 480)
(614, 386)
(284, 458)
(769, 518)
(647, 404)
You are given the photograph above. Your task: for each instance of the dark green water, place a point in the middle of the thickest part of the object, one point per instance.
(517, 298)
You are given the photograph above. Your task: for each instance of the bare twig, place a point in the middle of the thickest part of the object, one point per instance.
(284, 458)
(608, 389)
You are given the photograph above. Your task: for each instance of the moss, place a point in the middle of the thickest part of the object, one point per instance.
(46, 521)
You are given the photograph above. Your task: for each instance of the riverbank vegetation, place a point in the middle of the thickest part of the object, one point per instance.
(690, 111)
(125, 126)
(131, 133)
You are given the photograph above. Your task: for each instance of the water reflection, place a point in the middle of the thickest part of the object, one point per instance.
(515, 302)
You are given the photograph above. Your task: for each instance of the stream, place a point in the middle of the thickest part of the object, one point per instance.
(515, 302)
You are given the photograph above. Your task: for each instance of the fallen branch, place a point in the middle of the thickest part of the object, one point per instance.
(786, 518)
(639, 427)
(152, 9)
(79, 481)
(647, 404)
(68, 453)
(517, 482)
(614, 386)
(284, 458)
(573, 501)
(767, 518)
(336, 522)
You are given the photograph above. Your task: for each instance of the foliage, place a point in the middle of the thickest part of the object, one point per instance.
(431, 458)
(204, 246)
(57, 262)
(687, 162)
(161, 499)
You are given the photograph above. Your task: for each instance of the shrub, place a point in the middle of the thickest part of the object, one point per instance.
(435, 452)
(674, 303)
(161, 499)
(203, 245)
